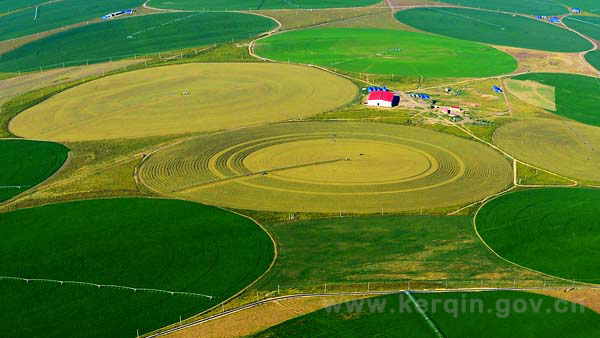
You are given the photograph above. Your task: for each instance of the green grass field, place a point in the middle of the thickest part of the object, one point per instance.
(575, 95)
(394, 315)
(13, 5)
(533, 93)
(555, 231)
(57, 14)
(149, 102)
(26, 164)
(359, 168)
(377, 51)
(137, 35)
(593, 58)
(566, 148)
(586, 25)
(494, 28)
(140, 243)
(541, 7)
(379, 249)
(257, 4)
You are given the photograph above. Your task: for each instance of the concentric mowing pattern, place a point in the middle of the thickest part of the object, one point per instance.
(328, 167)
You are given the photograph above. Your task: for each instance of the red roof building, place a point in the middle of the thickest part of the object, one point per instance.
(381, 99)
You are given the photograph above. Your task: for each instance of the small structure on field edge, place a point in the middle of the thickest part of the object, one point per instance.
(117, 14)
(382, 99)
(554, 19)
(498, 89)
(576, 10)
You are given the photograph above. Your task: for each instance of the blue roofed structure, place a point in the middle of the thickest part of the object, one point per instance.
(498, 89)
(554, 19)
(576, 10)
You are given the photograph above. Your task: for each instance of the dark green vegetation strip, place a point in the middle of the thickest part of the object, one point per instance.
(576, 95)
(494, 28)
(139, 35)
(395, 316)
(27, 163)
(143, 243)
(593, 58)
(378, 51)
(58, 14)
(388, 248)
(556, 231)
(12, 5)
(538, 7)
(257, 4)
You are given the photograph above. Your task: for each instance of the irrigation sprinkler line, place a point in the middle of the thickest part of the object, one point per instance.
(589, 23)
(134, 289)
(420, 310)
(468, 17)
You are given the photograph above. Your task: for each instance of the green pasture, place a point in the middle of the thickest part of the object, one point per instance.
(379, 249)
(587, 25)
(257, 4)
(139, 35)
(494, 28)
(158, 244)
(494, 315)
(378, 51)
(13, 5)
(556, 231)
(593, 58)
(540, 7)
(27, 163)
(58, 14)
(575, 95)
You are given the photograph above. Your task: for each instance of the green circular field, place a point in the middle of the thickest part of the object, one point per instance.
(567, 148)
(26, 163)
(575, 95)
(149, 102)
(396, 316)
(257, 4)
(593, 58)
(328, 167)
(378, 51)
(125, 264)
(538, 7)
(555, 231)
(144, 34)
(494, 28)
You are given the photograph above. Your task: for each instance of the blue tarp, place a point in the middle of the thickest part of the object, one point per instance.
(497, 89)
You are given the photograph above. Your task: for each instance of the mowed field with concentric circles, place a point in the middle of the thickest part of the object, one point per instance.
(328, 167)
(183, 99)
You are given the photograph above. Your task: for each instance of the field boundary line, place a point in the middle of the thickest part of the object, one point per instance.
(489, 248)
(134, 289)
(429, 321)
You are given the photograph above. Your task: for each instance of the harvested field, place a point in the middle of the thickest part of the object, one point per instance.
(548, 62)
(532, 92)
(150, 102)
(14, 86)
(360, 168)
(256, 319)
(379, 51)
(566, 148)
(554, 231)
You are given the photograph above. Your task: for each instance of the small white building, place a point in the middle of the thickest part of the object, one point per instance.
(381, 99)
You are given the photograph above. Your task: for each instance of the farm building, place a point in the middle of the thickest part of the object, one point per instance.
(554, 19)
(382, 99)
(498, 89)
(453, 110)
(117, 14)
(576, 10)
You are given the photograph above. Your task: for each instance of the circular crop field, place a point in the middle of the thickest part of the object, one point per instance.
(378, 51)
(257, 4)
(328, 167)
(138, 35)
(555, 231)
(112, 267)
(567, 148)
(182, 99)
(27, 163)
(494, 28)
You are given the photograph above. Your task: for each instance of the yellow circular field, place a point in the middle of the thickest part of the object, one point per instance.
(567, 148)
(328, 167)
(182, 99)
